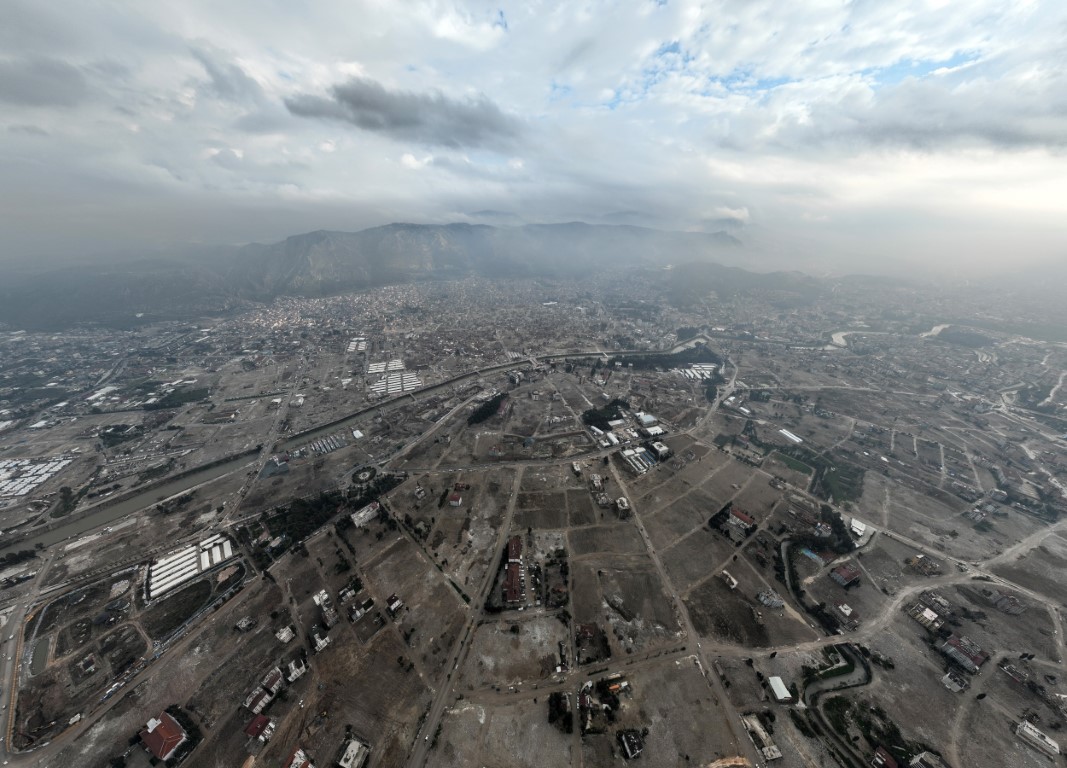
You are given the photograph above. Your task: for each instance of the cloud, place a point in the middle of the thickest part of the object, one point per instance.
(430, 118)
(41, 81)
(27, 130)
(227, 80)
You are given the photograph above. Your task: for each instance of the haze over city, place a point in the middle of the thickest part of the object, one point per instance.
(442, 384)
(828, 136)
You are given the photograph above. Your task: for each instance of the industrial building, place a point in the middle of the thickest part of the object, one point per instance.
(177, 568)
(1037, 739)
(781, 692)
(964, 652)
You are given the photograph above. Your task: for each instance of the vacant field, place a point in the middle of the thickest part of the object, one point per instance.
(168, 614)
(620, 538)
(515, 734)
(580, 508)
(686, 723)
(506, 652)
(720, 612)
(678, 518)
(1039, 569)
(695, 556)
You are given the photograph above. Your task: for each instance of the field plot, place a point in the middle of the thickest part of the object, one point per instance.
(922, 516)
(1039, 569)
(506, 652)
(988, 738)
(541, 510)
(383, 708)
(793, 471)
(609, 539)
(639, 612)
(498, 733)
(433, 611)
(758, 498)
(726, 614)
(725, 483)
(678, 517)
(1031, 631)
(556, 477)
(580, 509)
(686, 723)
(696, 556)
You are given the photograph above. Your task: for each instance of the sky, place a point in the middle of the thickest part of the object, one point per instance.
(920, 137)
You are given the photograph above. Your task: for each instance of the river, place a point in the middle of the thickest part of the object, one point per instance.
(105, 513)
(933, 331)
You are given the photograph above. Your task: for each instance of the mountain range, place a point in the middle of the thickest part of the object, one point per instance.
(192, 282)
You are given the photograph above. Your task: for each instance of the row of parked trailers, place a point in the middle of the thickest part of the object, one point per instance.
(175, 569)
(328, 444)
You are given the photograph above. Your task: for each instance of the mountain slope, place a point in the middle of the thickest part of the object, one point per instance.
(326, 262)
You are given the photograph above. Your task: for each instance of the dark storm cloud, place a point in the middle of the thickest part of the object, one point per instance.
(429, 118)
(40, 81)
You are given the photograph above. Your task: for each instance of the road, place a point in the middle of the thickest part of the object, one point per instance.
(447, 690)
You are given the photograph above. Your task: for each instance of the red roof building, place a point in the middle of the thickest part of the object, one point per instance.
(256, 727)
(845, 574)
(883, 759)
(162, 735)
(513, 583)
(737, 517)
(514, 549)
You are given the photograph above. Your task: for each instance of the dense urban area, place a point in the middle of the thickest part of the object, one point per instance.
(635, 518)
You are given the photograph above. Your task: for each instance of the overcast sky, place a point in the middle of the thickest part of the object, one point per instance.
(865, 135)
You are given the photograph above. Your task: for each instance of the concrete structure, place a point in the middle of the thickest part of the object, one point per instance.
(926, 760)
(632, 743)
(355, 754)
(1037, 739)
(162, 736)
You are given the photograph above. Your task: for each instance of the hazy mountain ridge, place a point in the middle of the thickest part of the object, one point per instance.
(327, 262)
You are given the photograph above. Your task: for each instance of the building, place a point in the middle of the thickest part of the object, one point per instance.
(285, 634)
(955, 682)
(662, 451)
(846, 574)
(455, 499)
(883, 759)
(782, 694)
(964, 652)
(632, 743)
(1037, 739)
(355, 754)
(515, 549)
(513, 591)
(297, 669)
(162, 736)
(298, 758)
(740, 519)
(272, 681)
(258, 700)
(927, 760)
(258, 727)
